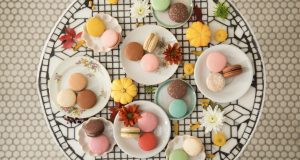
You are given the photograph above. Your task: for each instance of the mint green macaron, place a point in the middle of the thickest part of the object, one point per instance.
(178, 154)
(178, 108)
(160, 5)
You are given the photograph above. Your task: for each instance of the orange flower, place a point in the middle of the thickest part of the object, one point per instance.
(129, 115)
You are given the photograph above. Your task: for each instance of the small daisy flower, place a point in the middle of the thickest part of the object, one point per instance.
(140, 9)
(212, 119)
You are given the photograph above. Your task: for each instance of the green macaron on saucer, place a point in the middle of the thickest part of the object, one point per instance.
(161, 14)
(164, 100)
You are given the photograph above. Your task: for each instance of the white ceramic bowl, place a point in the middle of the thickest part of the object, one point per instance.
(236, 86)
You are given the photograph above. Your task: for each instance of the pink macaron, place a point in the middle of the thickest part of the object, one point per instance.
(150, 62)
(99, 145)
(216, 61)
(148, 122)
(111, 38)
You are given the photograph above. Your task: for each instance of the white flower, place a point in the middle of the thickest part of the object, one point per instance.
(140, 9)
(212, 119)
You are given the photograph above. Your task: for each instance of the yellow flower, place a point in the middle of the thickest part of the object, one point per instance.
(175, 127)
(112, 1)
(219, 139)
(220, 35)
(194, 126)
(188, 69)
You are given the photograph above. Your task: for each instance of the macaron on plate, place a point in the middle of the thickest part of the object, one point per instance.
(141, 68)
(154, 126)
(209, 83)
(173, 104)
(100, 144)
(80, 87)
(110, 38)
(185, 147)
(163, 15)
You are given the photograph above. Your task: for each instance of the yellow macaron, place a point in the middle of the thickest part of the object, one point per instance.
(95, 26)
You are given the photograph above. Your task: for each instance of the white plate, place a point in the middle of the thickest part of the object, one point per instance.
(95, 43)
(163, 99)
(133, 68)
(236, 86)
(177, 143)
(162, 132)
(98, 81)
(163, 18)
(84, 139)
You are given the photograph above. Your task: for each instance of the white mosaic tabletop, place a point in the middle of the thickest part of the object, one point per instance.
(25, 26)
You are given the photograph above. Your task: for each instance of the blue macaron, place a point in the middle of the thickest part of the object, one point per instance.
(178, 108)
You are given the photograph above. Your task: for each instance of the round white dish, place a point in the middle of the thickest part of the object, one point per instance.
(98, 81)
(163, 18)
(163, 99)
(95, 43)
(162, 132)
(177, 143)
(236, 86)
(84, 139)
(133, 69)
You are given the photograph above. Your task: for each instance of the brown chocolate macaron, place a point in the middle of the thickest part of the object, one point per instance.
(178, 12)
(231, 71)
(94, 127)
(86, 99)
(177, 89)
(134, 51)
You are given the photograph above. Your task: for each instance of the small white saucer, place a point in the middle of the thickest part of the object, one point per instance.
(84, 139)
(236, 86)
(162, 132)
(177, 143)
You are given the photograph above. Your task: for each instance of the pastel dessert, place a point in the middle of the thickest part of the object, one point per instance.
(148, 122)
(178, 154)
(95, 26)
(99, 145)
(231, 71)
(177, 89)
(147, 141)
(77, 82)
(192, 146)
(178, 12)
(134, 51)
(215, 82)
(86, 99)
(130, 132)
(94, 127)
(160, 5)
(150, 62)
(178, 108)
(216, 61)
(151, 42)
(111, 38)
(66, 98)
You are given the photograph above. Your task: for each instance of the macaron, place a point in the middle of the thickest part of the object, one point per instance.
(178, 108)
(216, 61)
(160, 5)
(215, 82)
(148, 122)
(192, 146)
(111, 38)
(231, 71)
(99, 145)
(93, 127)
(66, 98)
(77, 82)
(178, 12)
(147, 141)
(151, 42)
(177, 89)
(86, 99)
(95, 26)
(134, 51)
(150, 62)
(178, 154)
(130, 132)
